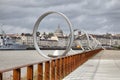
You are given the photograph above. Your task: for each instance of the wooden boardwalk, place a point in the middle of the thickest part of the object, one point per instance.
(52, 69)
(103, 66)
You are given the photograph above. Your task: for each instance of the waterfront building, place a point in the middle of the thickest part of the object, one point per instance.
(27, 39)
(41, 40)
(108, 39)
(59, 39)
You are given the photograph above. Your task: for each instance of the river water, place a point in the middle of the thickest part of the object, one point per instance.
(14, 58)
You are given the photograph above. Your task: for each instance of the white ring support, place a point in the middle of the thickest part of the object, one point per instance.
(79, 41)
(36, 28)
(88, 40)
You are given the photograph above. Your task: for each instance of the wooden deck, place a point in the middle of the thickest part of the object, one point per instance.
(104, 66)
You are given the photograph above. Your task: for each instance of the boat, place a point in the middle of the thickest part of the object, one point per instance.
(13, 47)
(7, 43)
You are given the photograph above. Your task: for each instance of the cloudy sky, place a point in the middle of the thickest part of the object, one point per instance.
(93, 16)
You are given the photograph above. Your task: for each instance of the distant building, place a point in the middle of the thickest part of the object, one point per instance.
(27, 39)
(58, 38)
(108, 39)
(59, 32)
(62, 40)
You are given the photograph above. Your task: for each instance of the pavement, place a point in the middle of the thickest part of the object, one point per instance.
(103, 66)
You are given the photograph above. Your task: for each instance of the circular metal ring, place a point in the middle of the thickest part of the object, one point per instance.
(88, 40)
(36, 28)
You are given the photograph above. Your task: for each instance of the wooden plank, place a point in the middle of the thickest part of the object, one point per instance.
(1, 76)
(69, 64)
(47, 71)
(52, 74)
(61, 68)
(64, 66)
(40, 71)
(57, 69)
(72, 63)
(66, 71)
(16, 74)
(30, 72)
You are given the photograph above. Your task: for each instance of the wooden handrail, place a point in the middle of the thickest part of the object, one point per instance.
(52, 69)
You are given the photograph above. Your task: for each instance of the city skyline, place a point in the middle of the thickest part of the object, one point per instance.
(58, 29)
(93, 16)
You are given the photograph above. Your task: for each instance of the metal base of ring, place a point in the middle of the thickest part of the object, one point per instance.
(36, 28)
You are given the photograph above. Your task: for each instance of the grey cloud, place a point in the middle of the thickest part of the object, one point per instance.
(91, 15)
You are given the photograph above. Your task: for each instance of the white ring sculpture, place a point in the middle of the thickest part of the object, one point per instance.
(36, 28)
(88, 40)
(79, 41)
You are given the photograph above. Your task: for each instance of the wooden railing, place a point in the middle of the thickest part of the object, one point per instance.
(54, 69)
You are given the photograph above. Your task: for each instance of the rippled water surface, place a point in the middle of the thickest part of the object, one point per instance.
(15, 58)
(9, 58)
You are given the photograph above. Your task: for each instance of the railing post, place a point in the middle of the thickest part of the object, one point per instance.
(79, 59)
(57, 69)
(16, 74)
(67, 65)
(52, 70)
(30, 72)
(40, 71)
(47, 71)
(83, 58)
(76, 57)
(71, 64)
(1, 77)
(74, 62)
(61, 68)
(64, 64)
